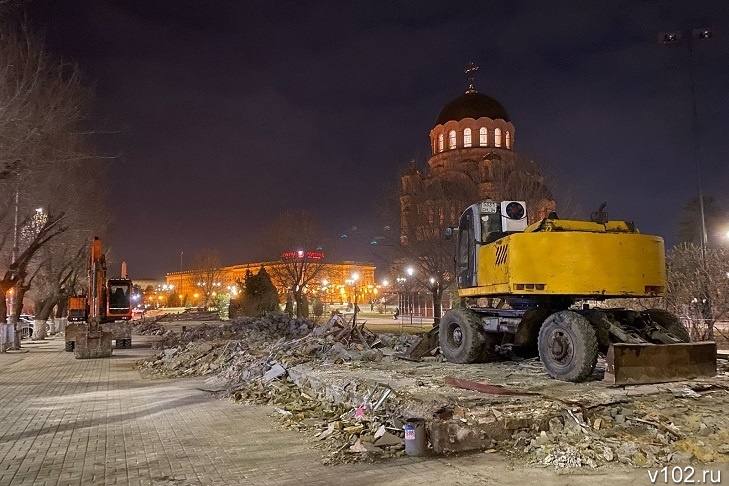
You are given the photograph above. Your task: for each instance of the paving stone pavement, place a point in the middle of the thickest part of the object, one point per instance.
(77, 422)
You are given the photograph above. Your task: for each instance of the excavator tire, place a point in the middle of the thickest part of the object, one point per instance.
(128, 343)
(119, 343)
(462, 340)
(568, 346)
(670, 323)
(69, 346)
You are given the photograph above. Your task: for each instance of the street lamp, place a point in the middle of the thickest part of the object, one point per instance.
(674, 38)
(325, 290)
(353, 282)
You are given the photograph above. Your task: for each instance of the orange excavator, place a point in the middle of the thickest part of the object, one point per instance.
(103, 314)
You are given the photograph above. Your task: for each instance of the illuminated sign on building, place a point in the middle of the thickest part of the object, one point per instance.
(310, 255)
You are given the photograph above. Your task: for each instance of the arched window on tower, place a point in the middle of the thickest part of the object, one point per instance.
(451, 139)
(440, 142)
(483, 138)
(508, 139)
(466, 137)
(497, 137)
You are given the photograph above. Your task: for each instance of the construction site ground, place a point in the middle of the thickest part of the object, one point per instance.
(327, 384)
(71, 421)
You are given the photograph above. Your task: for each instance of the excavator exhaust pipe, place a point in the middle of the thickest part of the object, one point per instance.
(635, 364)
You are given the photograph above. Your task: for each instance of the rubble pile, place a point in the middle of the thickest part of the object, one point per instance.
(148, 327)
(247, 348)
(647, 431)
(329, 383)
(343, 433)
(251, 358)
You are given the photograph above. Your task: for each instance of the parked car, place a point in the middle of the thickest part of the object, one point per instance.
(26, 326)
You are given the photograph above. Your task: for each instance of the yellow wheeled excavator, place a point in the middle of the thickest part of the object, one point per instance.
(529, 288)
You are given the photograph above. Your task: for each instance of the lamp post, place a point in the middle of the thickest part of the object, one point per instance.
(410, 271)
(353, 282)
(325, 290)
(675, 37)
(401, 299)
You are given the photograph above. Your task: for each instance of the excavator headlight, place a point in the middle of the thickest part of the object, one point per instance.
(515, 210)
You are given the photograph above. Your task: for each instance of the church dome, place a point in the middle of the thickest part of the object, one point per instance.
(474, 105)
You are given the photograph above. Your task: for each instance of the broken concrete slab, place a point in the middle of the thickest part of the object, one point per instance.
(276, 371)
(387, 440)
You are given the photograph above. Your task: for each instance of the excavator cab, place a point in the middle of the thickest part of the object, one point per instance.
(480, 224)
(119, 305)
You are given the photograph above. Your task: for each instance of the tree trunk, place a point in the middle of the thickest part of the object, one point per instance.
(17, 311)
(59, 323)
(298, 298)
(3, 306)
(39, 325)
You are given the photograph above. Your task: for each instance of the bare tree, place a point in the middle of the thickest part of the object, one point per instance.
(45, 160)
(297, 240)
(698, 290)
(59, 263)
(206, 275)
(690, 227)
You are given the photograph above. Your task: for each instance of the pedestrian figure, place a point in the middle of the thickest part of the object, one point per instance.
(397, 313)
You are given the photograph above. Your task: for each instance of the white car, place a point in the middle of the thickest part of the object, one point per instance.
(26, 326)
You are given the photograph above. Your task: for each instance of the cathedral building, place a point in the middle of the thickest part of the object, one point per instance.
(472, 158)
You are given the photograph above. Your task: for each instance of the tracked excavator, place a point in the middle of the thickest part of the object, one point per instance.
(103, 314)
(538, 289)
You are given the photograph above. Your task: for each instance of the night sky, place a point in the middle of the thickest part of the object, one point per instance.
(224, 113)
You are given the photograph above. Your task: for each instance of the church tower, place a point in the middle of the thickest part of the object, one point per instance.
(472, 158)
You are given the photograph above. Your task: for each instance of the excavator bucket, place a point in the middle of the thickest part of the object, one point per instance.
(633, 364)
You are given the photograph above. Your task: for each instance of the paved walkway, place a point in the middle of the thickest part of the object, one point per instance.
(80, 422)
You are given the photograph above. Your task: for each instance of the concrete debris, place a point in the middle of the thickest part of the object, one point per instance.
(346, 389)
(276, 371)
(148, 327)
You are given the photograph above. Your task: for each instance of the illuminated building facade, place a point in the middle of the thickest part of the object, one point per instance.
(333, 284)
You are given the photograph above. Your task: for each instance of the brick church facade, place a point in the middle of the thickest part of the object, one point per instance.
(472, 158)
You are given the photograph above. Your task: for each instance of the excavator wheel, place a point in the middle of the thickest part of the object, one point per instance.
(119, 343)
(568, 346)
(69, 346)
(462, 340)
(670, 323)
